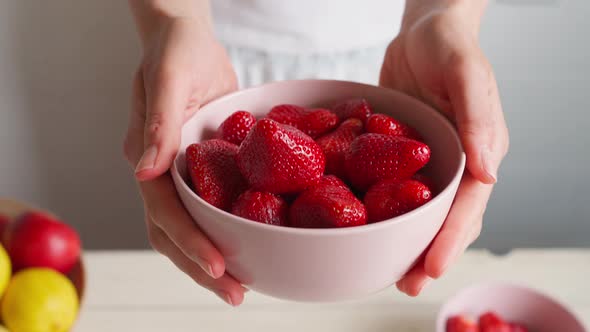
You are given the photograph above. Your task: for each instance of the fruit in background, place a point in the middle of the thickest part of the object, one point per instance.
(5, 270)
(4, 220)
(336, 143)
(353, 108)
(39, 300)
(391, 198)
(328, 204)
(214, 172)
(386, 125)
(375, 157)
(235, 128)
(263, 207)
(491, 322)
(280, 159)
(461, 323)
(36, 239)
(514, 327)
(312, 122)
(487, 322)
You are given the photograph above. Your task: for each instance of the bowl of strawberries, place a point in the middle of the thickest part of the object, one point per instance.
(505, 307)
(318, 190)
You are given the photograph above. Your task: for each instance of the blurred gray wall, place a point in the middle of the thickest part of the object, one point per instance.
(65, 69)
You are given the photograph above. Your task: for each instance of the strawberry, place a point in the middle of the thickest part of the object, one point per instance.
(391, 198)
(214, 173)
(287, 114)
(313, 122)
(353, 108)
(461, 323)
(386, 125)
(331, 180)
(317, 122)
(515, 327)
(336, 143)
(326, 205)
(263, 207)
(280, 159)
(235, 128)
(375, 157)
(429, 182)
(491, 322)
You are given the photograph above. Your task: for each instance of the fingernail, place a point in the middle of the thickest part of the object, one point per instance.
(226, 298)
(229, 300)
(208, 268)
(487, 159)
(209, 271)
(148, 160)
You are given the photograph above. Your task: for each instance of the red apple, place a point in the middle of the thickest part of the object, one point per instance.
(3, 224)
(491, 322)
(461, 323)
(39, 240)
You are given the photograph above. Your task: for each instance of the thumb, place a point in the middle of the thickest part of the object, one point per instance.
(474, 98)
(166, 102)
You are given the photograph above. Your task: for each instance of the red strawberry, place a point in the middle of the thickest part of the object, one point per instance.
(386, 125)
(461, 323)
(280, 159)
(353, 108)
(313, 122)
(375, 157)
(429, 182)
(317, 122)
(262, 207)
(235, 128)
(214, 173)
(336, 143)
(491, 322)
(332, 181)
(514, 327)
(287, 114)
(326, 205)
(391, 198)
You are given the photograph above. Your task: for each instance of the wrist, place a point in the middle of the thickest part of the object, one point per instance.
(467, 12)
(154, 16)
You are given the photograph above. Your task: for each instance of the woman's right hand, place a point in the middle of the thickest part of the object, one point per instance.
(183, 68)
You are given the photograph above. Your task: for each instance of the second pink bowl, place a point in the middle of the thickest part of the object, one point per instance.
(537, 311)
(324, 264)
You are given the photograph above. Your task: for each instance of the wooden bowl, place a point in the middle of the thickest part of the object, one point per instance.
(77, 275)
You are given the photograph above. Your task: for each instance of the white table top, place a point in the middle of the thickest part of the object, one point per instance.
(142, 291)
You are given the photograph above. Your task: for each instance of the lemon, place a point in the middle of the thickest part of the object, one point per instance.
(39, 300)
(5, 269)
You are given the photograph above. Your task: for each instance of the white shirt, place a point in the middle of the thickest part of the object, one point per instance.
(307, 26)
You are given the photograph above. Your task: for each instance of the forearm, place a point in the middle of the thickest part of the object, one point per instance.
(469, 11)
(151, 14)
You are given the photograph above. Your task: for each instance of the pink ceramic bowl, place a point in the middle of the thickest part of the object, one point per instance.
(521, 304)
(324, 265)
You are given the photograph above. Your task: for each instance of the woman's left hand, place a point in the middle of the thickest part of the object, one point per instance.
(436, 58)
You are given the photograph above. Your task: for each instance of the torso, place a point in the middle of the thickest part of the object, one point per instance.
(307, 26)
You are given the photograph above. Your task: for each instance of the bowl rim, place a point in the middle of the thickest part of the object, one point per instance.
(506, 284)
(342, 230)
